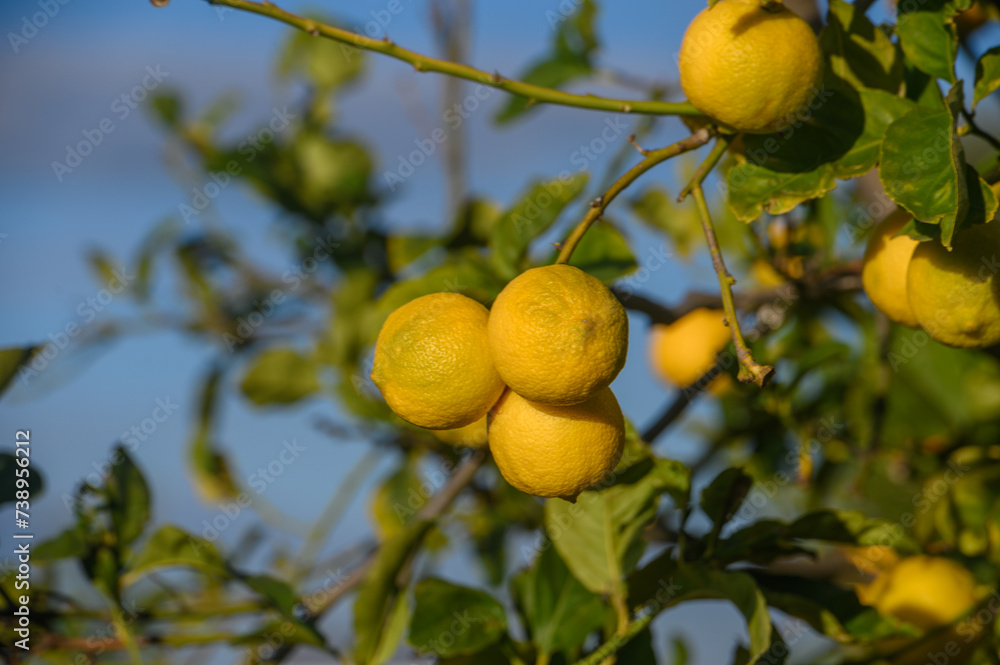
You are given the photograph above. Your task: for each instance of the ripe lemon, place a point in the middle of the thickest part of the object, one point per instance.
(883, 273)
(683, 351)
(956, 295)
(925, 591)
(432, 362)
(470, 436)
(556, 451)
(557, 335)
(748, 67)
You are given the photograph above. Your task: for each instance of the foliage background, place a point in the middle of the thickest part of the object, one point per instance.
(63, 82)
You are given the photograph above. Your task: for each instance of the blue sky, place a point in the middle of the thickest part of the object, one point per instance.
(62, 81)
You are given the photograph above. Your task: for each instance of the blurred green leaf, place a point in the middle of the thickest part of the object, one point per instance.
(209, 468)
(128, 499)
(987, 75)
(928, 36)
(558, 611)
(378, 595)
(451, 620)
(280, 376)
(70, 543)
(171, 547)
(11, 359)
(658, 209)
(600, 536)
(723, 496)
(604, 253)
(527, 219)
(324, 63)
(570, 58)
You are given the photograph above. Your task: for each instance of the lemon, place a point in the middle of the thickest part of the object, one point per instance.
(556, 451)
(748, 67)
(557, 335)
(470, 436)
(956, 295)
(925, 591)
(683, 351)
(432, 362)
(883, 272)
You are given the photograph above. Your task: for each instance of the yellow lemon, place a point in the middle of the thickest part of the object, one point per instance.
(556, 451)
(557, 335)
(470, 436)
(925, 591)
(956, 295)
(883, 272)
(683, 351)
(432, 362)
(749, 67)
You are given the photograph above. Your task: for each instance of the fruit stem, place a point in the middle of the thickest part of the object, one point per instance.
(750, 370)
(599, 205)
(534, 93)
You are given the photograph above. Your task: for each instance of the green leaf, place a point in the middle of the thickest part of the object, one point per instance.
(11, 359)
(600, 536)
(604, 253)
(858, 52)
(723, 496)
(987, 75)
(290, 631)
(928, 36)
(529, 217)
(326, 64)
(277, 592)
(395, 628)
(8, 478)
(210, 472)
(658, 209)
(172, 547)
(378, 595)
(280, 376)
(465, 273)
(840, 139)
(558, 611)
(696, 581)
(922, 167)
(451, 620)
(71, 543)
(402, 250)
(570, 57)
(128, 498)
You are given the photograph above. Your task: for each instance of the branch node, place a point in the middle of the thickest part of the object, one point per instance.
(642, 151)
(598, 202)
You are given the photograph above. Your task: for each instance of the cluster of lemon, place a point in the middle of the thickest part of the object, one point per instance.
(539, 362)
(953, 295)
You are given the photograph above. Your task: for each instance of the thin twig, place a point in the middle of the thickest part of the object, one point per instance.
(652, 158)
(750, 369)
(706, 167)
(680, 403)
(536, 94)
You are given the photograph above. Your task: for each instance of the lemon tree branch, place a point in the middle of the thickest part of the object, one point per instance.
(422, 63)
(650, 159)
(750, 370)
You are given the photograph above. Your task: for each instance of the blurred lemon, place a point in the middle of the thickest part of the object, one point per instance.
(683, 351)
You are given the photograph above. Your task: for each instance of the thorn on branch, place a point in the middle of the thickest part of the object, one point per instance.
(598, 202)
(496, 77)
(627, 108)
(642, 151)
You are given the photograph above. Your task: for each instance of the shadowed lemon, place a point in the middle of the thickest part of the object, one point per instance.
(883, 273)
